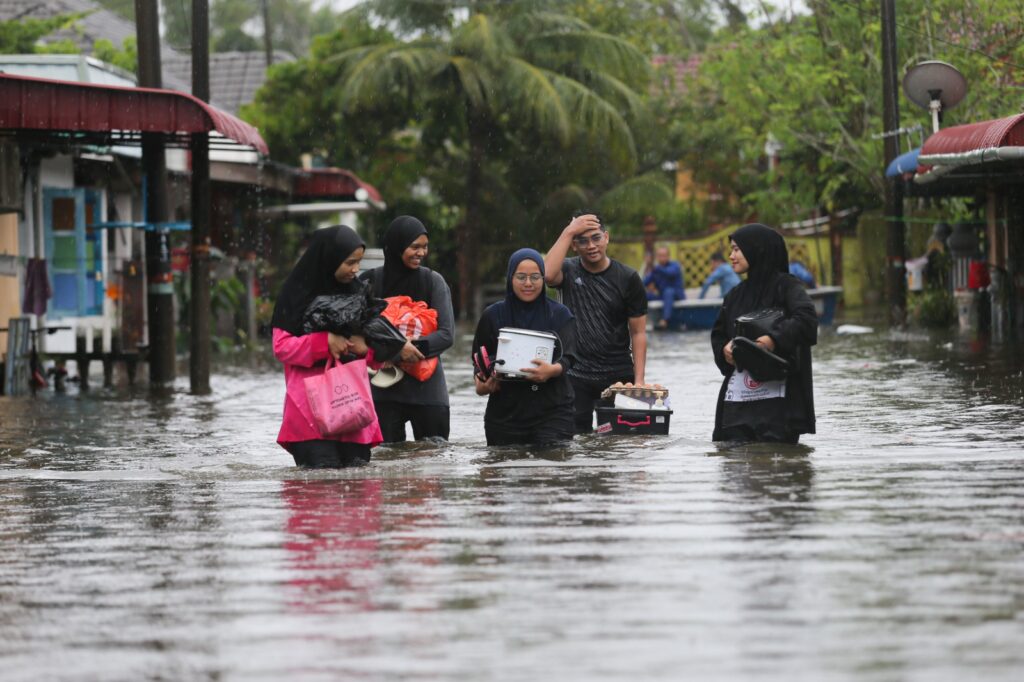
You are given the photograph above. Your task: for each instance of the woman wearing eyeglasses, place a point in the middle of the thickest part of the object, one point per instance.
(537, 410)
(424, 404)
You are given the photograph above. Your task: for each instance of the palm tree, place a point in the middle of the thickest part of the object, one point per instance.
(514, 68)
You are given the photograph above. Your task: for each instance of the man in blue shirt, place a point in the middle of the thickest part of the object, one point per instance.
(722, 273)
(798, 270)
(665, 282)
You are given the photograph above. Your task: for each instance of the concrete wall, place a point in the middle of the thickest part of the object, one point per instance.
(10, 301)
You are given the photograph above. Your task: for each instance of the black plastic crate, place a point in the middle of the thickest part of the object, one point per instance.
(623, 421)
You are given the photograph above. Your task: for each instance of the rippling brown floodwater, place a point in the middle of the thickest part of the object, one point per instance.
(169, 538)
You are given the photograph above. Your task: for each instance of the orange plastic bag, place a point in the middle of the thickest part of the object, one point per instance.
(414, 319)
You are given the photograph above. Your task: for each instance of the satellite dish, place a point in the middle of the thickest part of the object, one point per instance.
(935, 86)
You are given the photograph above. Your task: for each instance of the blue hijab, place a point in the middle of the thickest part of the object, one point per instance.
(542, 314)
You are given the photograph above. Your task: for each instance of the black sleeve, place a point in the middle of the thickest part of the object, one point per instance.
(718, 340)
(636, 296)
(800, 325)
(567, 338)
(568, 274)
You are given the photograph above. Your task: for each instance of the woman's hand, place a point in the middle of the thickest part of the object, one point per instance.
(338, 345)
(766, 342)
(357, 345)
(410, 353)
(491, 385)
(541, 371)
(727, 353)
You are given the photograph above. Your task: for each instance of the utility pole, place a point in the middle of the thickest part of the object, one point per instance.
(896, 289)
(268, 46)
(199, 338)
(159, 279)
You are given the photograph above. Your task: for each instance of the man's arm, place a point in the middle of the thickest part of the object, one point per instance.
(558, 251)
(638, 338)
(715, 276)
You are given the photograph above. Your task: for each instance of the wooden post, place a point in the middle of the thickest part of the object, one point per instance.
(199, 338)
(896, 285)
(82, 361)
(160, 280)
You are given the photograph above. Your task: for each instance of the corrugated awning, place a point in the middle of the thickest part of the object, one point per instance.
(976, 144)
(116, 114)
(904, 163)
(324, 183)
(1000, 132)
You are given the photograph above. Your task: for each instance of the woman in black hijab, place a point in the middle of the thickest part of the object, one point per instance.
(537, 410)
(750, 410)
(424, 404)
(329, 266)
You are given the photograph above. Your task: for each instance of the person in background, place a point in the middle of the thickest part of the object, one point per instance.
(665, 282)
(767, 411)
(800, 271)
(329, 266)
(721, 274)
(608, 300)
(537, 410)
(422, 403)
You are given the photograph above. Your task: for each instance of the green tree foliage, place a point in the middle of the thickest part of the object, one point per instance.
(814, 84)
(238, 24)
(500, 84)
(127, 57)
(668, 27)
(22, 36)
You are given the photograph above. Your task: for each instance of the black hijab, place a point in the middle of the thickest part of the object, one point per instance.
(541, 314)
(766, 254)
(400, 280)
(313, 276)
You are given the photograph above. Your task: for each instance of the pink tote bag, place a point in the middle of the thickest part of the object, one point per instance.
(340, 398)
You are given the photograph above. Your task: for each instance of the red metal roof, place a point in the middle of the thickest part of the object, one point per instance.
(1000, 132)
(331, 182)
(51, 105)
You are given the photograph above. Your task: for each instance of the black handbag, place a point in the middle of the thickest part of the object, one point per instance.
(760, 363)
(757, 324)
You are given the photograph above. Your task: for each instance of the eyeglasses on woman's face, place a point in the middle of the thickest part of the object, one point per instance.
(521, 277)
(584, 241)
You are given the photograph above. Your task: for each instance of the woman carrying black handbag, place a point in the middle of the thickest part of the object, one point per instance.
(777, 311)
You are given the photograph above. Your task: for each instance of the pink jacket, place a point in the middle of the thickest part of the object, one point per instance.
(300, 354)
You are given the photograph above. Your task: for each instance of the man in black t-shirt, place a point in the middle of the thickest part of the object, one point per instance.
(610, 305)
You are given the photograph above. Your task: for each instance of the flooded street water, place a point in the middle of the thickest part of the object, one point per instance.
(170, 538)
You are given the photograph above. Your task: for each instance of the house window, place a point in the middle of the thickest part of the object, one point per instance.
(74, 251)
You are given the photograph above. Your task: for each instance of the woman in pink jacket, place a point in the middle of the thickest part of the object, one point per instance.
(329, 266)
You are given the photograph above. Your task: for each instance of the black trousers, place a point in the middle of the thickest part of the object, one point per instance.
(328, 454)
(760, 434)
(587, 394)
(428, 421)
(557, 429)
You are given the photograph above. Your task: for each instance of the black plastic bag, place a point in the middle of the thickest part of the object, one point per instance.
(759, 362)
(757, 324)
(383, 338)
(343, 314)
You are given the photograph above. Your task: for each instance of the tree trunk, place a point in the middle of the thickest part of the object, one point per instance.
(469, 228)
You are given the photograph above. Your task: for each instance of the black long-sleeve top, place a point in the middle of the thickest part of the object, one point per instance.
(793, 335)
(522, 406)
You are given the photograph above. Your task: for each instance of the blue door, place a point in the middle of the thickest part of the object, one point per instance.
(74, 251)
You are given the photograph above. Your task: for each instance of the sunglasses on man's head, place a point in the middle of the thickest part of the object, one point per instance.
(595, 238)
(521, 277)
